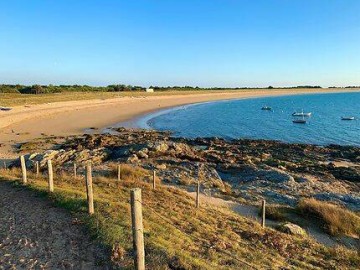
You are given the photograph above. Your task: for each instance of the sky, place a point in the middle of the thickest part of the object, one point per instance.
(206, 43)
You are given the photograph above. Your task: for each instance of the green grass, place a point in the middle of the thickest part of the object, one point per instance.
(179, 236)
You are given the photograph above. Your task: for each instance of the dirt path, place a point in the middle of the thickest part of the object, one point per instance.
(36, 235)
(251, 212)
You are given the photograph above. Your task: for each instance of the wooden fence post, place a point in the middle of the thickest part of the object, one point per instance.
(23, 169)
(89, 189)
(198, 194)
(154, 179)
(37, 168)
(119, 172)
(137, 229)
(75, 170)
(50, 175)
(263, 214)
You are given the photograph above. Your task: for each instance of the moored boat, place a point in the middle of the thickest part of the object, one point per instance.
(5, 109)
(307, 114)
(347, 118)
(299, 121)
(266, 108)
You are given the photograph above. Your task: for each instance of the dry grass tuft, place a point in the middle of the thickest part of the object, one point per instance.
(128, 172)
(273, 213)
(337, 220)
(186, 181)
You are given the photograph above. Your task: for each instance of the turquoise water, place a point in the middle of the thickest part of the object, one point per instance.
(244, 119)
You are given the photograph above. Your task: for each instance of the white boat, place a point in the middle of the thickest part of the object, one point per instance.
(266, 108)
(299, 121)
(307, 114)
(348, 118)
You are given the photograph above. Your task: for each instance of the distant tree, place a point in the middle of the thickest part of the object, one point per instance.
(270, 87)
(37, 89)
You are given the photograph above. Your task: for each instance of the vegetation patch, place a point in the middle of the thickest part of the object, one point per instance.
(128, 172)
(336, 220)
(274, 213)
(178, 235)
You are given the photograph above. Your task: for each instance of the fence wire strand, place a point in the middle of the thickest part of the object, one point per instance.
(195, 237)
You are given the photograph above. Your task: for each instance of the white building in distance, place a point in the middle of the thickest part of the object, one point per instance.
(149, 90)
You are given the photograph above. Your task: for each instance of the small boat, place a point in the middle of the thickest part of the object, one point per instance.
(299, 121)
(266, 108)
(348, 118)
(5, 109)
(308, 114)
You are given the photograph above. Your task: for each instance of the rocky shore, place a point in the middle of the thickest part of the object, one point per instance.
(240, 170)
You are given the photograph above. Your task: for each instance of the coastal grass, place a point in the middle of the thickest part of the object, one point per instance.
(16, 99)
(336, 220)
(274, 213)
(178, 235)
(128, 172)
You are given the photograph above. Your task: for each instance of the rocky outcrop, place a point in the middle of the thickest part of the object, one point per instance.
(96, 156)
(244, 169)
(291, 228)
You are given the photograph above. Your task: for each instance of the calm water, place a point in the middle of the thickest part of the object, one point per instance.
(245, 119)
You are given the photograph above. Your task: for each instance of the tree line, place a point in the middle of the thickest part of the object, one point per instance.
(44, 89)
(192, 88)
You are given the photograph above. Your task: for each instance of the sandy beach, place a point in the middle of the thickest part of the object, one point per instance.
(24, 123)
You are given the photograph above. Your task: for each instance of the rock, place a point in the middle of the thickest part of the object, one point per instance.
(280, 198)
(49, 154)
(160, 166)
(161, 147)
(291, 228)
(142, 154)
(265, 156)
(346, 173)
(351, 201)
(133, 159)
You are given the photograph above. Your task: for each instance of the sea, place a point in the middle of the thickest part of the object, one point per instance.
(244, 118)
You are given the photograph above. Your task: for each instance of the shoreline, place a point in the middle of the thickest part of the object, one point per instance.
(24, 123)
(134, 122)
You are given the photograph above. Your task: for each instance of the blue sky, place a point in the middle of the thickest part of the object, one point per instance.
(190, 42)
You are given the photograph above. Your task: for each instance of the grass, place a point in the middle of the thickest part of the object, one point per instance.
(336, 220)
(274, 213)
(179, 236)
(15, 99)
(128, 172)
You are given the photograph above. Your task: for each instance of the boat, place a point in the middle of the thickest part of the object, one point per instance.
(308, 114)
(266, 108)
(348, 118)
(299, 121)
(4, 109)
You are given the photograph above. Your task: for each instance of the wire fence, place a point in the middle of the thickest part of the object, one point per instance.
(195, 238)
(87, 173)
